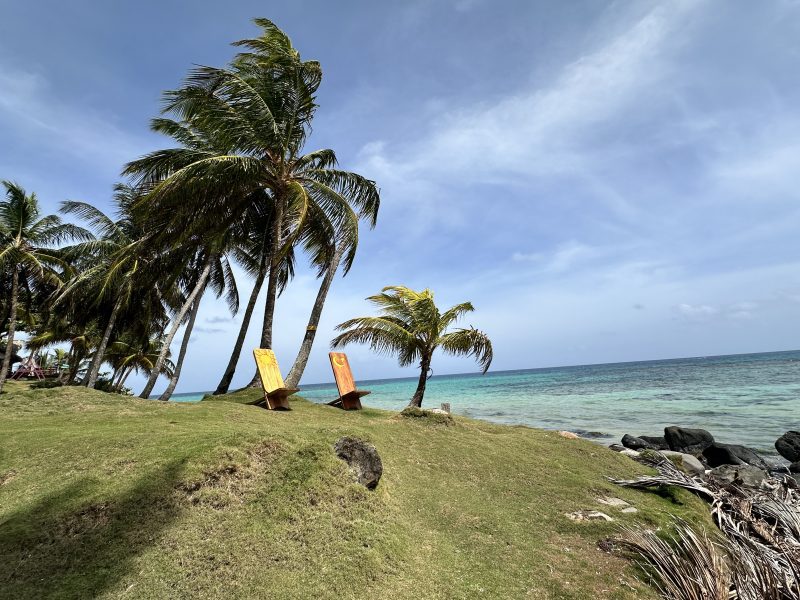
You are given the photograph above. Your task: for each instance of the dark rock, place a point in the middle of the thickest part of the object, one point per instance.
(718, 454)
(616, 447)
(657, 442)
(794, 467)
(688, 441)
(635, 443)
(788, 446)
(363, 459)
(644, 442)
(739, 475)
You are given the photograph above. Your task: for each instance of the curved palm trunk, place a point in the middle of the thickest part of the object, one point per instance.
(162, 356)
(187, 334)
(124, 378)
(424, 365)
(296, 372)
(97, 359)
(272, 286)
(227, 377)
(12, 327)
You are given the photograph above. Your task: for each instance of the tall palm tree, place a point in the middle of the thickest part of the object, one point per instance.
(252, 255)
(220, 280)
(412, 327)
(123, 262)
(242, 132)
(26, 250)
(328, 247)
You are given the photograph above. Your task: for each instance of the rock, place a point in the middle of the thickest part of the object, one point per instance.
(740, 475)
(611, 501)
(794, 467)
(776, 465)
(589, 515)
(689, 463)
(438, 411)
(363, 459)
(616, 447)
(788, 446)
(630, 453)
(635, 443)
(630, 510)
(718, 454)
(688, 441)
(568, 434)
(657, 442)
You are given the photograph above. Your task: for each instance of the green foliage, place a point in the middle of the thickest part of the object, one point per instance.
(427, 417)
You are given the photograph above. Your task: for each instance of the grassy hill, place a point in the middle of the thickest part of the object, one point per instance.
(113, 497)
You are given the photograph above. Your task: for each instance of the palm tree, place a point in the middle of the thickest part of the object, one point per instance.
(412, 327)
(242, 132)
(220, 279)
(26, 251)
(130, 355)
(327, 247)
(252, 255)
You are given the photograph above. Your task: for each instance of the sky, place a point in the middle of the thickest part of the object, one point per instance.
(604, 181)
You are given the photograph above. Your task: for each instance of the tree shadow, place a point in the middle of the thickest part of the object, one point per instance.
(63, 547)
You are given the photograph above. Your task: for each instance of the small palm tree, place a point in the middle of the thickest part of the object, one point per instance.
(412, 327)
(24, 252)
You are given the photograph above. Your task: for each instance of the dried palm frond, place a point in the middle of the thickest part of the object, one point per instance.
(757, 559)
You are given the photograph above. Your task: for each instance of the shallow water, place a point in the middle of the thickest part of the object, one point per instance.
(748, 399)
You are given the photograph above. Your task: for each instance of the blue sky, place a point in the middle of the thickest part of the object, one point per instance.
(604, 181)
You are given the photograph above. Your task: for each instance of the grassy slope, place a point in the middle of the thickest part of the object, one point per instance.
(105, 496)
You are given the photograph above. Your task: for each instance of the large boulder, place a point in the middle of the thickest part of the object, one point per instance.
(739, 475)
(363, 459)
(688, 441)
(788, 446)
(718, 454)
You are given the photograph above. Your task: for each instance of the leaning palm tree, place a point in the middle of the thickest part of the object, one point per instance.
(26, 251)
(412, 327)
(242, 132)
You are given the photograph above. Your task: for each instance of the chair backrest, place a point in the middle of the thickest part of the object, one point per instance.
(342, 373)
(268, 369)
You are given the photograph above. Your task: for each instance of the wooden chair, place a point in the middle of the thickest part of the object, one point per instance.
(276, 394)
(349, 397)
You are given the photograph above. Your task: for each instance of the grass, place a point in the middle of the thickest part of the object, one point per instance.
(105, 496)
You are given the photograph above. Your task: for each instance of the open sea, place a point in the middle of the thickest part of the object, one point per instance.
(749, 399)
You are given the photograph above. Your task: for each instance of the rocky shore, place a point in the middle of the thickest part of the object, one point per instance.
(697, 453)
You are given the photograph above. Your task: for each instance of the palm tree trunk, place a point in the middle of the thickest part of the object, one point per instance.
(12, 327)
(162, 356)
(296, 372)
(227, 377)
(272, 285)
(184, 344)
(424, 365)
(125, 378)
(97, 359)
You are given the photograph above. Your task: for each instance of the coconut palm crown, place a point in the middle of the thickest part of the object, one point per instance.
(412, 327)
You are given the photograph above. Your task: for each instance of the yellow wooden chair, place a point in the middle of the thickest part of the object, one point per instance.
(349, 397)
(276, 394)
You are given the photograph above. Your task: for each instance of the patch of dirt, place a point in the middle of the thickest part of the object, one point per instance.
(88, 518)
(7, 477)
(230, 481)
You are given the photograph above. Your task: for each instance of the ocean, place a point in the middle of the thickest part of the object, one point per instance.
(748, 399)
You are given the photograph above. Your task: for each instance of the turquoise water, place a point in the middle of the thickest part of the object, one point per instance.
(748, 399)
